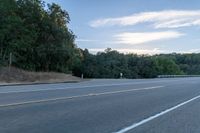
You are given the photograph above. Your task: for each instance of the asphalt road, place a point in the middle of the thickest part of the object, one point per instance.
(102, 106)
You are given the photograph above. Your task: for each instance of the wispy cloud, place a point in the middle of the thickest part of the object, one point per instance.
(194, 51)
(159, 19)
(152, 51)
(145, 37)
(127, 51)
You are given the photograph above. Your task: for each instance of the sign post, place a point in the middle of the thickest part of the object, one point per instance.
(121, 75)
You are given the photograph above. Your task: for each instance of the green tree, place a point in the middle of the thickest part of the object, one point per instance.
(38, 36)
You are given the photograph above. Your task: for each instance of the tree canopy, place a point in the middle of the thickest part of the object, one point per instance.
(37, 36)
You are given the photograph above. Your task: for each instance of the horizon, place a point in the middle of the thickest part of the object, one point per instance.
(162, 27)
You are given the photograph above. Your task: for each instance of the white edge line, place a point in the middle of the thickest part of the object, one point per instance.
(126, 129)
(79, 96)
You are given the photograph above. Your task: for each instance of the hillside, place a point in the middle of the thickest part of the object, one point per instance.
(15, 75)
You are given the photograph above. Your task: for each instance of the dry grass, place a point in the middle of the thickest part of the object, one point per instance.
(15, 75)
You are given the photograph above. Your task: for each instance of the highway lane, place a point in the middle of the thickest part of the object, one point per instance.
(28, 93)
(108, 112)
(88, 84)
(13, 94)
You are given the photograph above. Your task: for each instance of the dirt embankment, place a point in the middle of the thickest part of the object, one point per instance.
(15, 75)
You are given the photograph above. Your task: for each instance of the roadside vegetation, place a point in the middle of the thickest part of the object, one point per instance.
(36, 37)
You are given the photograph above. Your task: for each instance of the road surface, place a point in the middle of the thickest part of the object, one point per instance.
(103, 106)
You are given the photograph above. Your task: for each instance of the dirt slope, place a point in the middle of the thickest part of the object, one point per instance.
(15, 75)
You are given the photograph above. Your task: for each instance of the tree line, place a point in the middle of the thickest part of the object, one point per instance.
(110, 63)
(39, 39)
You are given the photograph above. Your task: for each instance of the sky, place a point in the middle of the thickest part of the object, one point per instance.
(135, 26)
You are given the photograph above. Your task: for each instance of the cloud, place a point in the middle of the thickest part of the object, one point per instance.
(145, 37)
(127, 51)
(152, 51)
(193, 51)
(159, 19)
